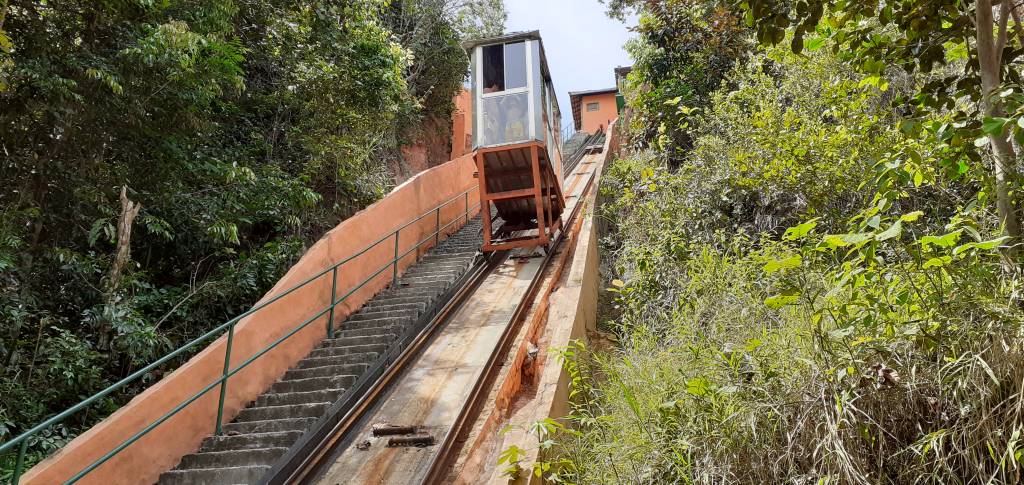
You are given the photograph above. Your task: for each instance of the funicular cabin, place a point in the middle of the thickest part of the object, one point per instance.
(516, 136)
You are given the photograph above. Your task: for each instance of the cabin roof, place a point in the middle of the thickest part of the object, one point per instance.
(509, 37)
(501, 39)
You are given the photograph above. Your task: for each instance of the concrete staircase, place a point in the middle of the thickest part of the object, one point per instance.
(265, 430)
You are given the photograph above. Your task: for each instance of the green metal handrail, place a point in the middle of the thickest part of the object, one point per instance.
(229, 326)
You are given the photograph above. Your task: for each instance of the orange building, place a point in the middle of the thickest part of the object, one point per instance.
(594, 110)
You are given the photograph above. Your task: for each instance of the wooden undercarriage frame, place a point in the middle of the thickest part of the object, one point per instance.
(520, 182)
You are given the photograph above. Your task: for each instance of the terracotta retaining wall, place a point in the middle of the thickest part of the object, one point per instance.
(162, 448)
(462, 124)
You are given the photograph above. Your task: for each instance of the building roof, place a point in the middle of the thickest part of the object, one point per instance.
(576, 98)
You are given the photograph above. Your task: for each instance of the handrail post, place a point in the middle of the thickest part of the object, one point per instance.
(224, 382)
(334, 299)
(19, 463)
(394, 262)
(437, 225)
(467, 207)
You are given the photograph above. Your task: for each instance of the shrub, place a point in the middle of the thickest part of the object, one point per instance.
(866, 331)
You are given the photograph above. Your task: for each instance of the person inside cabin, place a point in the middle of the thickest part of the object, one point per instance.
(492, 129)
(492, 80)
(515, 125)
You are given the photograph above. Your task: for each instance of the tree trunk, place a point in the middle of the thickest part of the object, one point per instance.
(989, 61)
(129, 211)
(122, 254)
(3, 13)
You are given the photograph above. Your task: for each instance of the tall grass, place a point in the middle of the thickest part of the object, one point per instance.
(708, 383)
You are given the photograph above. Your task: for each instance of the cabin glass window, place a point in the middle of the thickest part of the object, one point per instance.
(505, 119)
(494, 68)
(515, 65)
(504, 67)
(593, 106)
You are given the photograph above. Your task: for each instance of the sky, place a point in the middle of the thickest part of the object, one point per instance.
(582, 44)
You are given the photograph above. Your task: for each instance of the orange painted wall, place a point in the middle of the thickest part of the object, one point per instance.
(592, 120)
(462, 125)
(162, 448)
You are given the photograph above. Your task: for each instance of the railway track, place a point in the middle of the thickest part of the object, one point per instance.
(310, 460)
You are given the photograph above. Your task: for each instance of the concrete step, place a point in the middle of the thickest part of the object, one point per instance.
(351, 358)
(449, 256)
(430, 266)
(442, 262)
(441, 266)
(427, 278)
(375, 323)
(435, 287)
(421, 293)
(431, 272)
(466, 256)
(334, 351)
(278, 439)
(266, 413)
(232, 458)
(451, 275)
(419, 306)
(290, 398)
(364, 332)
(326, 371)
(461, 244)
(397, 300)
(272, 426)
(313, 384)
(374, 315)
(421, 286)
(373, 339)
(215, 476)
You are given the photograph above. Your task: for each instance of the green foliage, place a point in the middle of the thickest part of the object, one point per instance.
(683, 52)
(847, 358)
(511, 458)
(476, 19)
(976, 41)
(917, 34)
(244, 129)
(794, 135)
(439, 64)
(815, 290)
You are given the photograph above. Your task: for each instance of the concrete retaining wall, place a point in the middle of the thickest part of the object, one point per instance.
(163, 447)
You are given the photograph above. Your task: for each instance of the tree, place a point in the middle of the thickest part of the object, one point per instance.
(683, 53)
(438, 66)
(921, 34)
(242, 129)
(475, 19)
